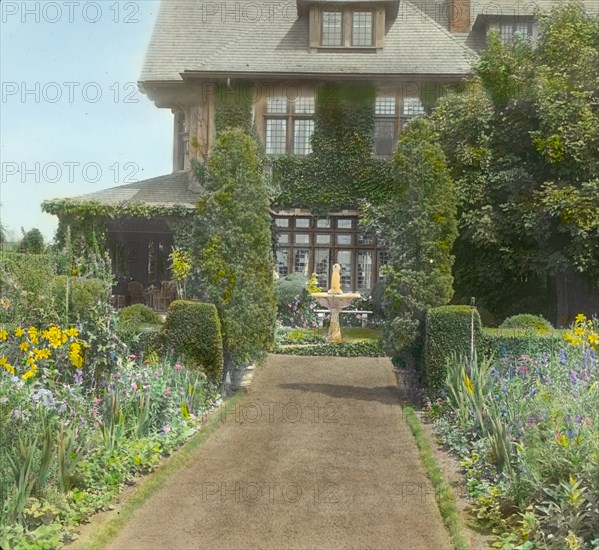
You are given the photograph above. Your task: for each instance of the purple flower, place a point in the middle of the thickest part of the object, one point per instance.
(573, 377)
(78, 376)
(563, 358)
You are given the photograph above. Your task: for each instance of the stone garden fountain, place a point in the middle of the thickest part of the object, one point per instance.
(335, 300)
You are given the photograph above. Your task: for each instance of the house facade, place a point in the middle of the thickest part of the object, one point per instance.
(277, 56)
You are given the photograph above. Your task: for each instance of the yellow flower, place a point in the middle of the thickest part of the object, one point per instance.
(4, 363)
(76, 354)
(72, 332)
(9, 368)
(19, 332)
(580, 318)
(576, 341)
(579, 331)
(24, 346)
(33, 335)
(29, 373)
(469, 384)
(563, 441)
(567, 337)
(55, 336)
(593, 338)
(41, 353)
(3, 335)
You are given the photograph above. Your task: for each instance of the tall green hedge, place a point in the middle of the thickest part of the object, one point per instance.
(192, 330)
(447, 330)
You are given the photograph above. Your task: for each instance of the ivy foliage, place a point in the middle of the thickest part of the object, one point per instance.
(418, 226)
(523, 148)
(233, 247)
(341, 170)
(234, 107)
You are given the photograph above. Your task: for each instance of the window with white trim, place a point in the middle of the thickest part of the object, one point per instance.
(289, 125)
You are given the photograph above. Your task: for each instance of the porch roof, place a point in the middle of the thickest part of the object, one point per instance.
(169, 190)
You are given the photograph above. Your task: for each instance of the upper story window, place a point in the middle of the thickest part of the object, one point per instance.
(385, 125)
(331, 34)
(289, 125)
(508, 30)
(362, 28)
(346, 28)
(181, 145)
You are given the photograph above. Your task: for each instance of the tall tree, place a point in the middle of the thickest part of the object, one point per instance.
(233, 246)
(523, 147)
(32, 242)
(418, 227)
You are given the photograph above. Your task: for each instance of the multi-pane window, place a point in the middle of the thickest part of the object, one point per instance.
(289, 125)
(361, 28)
(309, 245)
(385, 122)
(383, 259)
(182, 142)
(411, 107)
(509, 31)
(331, 28)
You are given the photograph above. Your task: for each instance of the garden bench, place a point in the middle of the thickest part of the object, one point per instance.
(363, 314)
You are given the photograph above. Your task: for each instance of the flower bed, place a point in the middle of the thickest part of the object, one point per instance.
(72, 436)
(527, 431)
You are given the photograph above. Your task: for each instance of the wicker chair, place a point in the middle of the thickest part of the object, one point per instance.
(166, 295)
(136, 292)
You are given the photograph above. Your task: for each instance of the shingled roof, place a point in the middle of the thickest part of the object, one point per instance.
(192, 37)
(169, 190)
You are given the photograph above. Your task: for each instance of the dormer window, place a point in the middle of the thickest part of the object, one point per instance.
(508, 30)
(361, 28)
(346, 27)
(331, 28)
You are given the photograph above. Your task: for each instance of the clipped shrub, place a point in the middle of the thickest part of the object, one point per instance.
(502, 342)
(84, 295)
(448, 330)
(139, 314)
(528, 321)
(147, 341)
(192, 330)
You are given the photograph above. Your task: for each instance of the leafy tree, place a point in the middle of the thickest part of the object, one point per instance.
(418, 226)
(233, 246)
(3, 237)
(33, 241)
(523, 148)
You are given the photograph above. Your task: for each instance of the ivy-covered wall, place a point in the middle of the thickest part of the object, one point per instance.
(342, 170)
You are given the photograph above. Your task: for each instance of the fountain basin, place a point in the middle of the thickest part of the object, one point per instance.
(335, 302)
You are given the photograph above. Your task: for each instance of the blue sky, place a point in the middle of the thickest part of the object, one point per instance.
(72, 120)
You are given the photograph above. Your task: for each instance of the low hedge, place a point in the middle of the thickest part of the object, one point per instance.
(447, 330)
(536, 323)
(505, 342)
(139, 314)
(192, 331)
(356, 348)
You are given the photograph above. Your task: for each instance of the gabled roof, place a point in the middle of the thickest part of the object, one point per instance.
(163, 191)
(197, 36)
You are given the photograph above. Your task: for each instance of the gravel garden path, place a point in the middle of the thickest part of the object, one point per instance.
(316, 455)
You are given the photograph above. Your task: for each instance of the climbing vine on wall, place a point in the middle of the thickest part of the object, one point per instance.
(342, 170)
